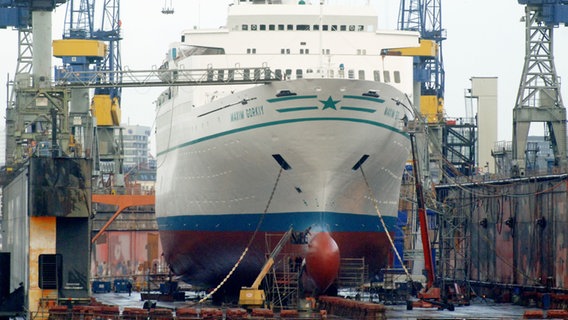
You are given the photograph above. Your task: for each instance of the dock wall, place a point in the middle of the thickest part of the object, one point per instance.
(516, 231)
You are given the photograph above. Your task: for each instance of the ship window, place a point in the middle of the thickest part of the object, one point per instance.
(325, 51)
(298, 73)
(325, 27)
(360, 27)
(253, 27)
(220, 74)
(271, 27)
(307, 51)
(351, 74)
(361, 74)
(280, 27)
(351, 27)
(197, 51)
(303, 27)
(278, 74)
(288, 73)
(301, 51)
(183, 38)
(386, 76)
(244, 27)
(343, 27)
(334, 27)
(397, 76)
(330, 73)
(246, 74)
(302, 43)
(316, 27)
(377, 75)
(262, 27)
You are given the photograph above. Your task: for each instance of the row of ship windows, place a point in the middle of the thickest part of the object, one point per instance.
(286, 74)
(306, 51)
(303, 27)
(351, 74)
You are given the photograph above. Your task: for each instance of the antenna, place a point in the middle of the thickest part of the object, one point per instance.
(168, 7)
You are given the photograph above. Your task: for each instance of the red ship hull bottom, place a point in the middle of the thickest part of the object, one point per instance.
(203, 258)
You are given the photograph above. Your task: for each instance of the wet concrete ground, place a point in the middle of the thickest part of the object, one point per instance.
(477, 310)
(473, 311)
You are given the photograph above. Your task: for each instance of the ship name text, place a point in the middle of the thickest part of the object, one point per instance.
(247, 113)
(392, 113)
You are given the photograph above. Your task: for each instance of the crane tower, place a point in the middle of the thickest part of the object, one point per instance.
(92, 45)
(425, 16)
(539, 98)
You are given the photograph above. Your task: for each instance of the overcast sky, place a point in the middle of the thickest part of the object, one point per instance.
(484, 38)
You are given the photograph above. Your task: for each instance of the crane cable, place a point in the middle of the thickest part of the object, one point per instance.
(375, 203)
(248, 244)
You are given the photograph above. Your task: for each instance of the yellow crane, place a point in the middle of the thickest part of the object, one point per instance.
(252, 296)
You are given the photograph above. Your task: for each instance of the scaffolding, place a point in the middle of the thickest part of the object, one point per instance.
(353, 273)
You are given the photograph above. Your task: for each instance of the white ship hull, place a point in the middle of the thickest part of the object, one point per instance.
(217, 170)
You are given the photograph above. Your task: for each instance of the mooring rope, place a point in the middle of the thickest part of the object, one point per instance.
(375, 203)
(259, 224)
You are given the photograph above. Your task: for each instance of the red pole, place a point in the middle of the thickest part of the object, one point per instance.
(428, 264)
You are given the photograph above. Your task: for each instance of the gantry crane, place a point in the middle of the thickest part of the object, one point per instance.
(38, 108)
(86, 47)
(453, 141)
(46, 185)
(539, 98)
(425, 17)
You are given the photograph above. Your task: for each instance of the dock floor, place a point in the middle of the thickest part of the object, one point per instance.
(477, 310)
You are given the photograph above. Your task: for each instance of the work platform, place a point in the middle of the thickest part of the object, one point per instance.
(70, 79)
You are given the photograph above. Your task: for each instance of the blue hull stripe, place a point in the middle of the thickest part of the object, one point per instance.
(277, 222)
(364, 98)
(287, 98)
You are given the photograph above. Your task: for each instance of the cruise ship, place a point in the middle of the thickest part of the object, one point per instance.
(237, 162)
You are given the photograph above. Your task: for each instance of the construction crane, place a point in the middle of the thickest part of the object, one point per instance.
(539, 98)
(425, 17)
(26, 122)
(431, 295)
(86, 47)
(39, 149)
(253, 297)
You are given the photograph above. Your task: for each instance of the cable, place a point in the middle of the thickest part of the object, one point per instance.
(375, 203)
(259, 224)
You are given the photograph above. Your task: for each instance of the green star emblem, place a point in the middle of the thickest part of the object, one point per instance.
(329, 103)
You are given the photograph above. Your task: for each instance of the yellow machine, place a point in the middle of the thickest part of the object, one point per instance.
(253, 297)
